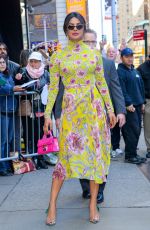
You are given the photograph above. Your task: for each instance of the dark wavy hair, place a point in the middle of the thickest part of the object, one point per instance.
(73, 15)
(5, 57)
(3, 44)
(24, 55)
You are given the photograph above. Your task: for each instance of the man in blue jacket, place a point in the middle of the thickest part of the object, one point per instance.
(133, 91)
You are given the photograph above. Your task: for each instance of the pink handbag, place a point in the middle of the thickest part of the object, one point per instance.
(48, 144)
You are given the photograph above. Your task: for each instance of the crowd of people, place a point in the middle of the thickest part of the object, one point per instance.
(15, 111)
(95, 97)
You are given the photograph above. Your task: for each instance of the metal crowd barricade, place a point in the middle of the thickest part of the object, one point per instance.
(17, 124)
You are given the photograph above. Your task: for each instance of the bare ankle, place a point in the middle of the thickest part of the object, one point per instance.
(52, 203)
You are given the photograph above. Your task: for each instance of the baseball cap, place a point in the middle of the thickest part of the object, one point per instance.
(36, 56)
(126, 52)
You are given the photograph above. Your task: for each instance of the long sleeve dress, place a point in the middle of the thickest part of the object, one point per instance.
(84, 132)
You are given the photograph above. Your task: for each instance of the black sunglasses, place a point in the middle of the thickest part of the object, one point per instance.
(90, 42)
(78, 27)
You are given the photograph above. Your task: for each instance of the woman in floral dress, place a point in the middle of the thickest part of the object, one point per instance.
(84, 133)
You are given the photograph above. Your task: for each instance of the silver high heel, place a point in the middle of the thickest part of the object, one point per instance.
(95, 220)
(52, 222)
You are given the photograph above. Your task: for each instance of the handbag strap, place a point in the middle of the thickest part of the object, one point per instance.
(50, 133)
(21, 157)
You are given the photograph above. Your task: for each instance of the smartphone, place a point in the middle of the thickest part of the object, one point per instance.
(104, 38)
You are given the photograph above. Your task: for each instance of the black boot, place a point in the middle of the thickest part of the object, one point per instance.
(41, 163)
(35, 160)
(100, 198)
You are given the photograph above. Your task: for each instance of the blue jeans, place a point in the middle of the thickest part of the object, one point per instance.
(6, 135)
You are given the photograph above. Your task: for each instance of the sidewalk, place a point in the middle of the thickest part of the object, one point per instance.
(24, 199)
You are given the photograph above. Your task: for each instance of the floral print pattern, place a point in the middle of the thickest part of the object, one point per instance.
(84, 132)
(75, 143)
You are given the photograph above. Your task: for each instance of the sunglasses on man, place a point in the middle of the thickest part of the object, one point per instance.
(90, 42)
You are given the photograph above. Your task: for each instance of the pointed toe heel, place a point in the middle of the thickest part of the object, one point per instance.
(51, 223)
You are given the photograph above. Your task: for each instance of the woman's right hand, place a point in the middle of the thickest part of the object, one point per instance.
(48, 125)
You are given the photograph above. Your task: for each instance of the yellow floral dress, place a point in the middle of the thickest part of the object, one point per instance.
(84, 132)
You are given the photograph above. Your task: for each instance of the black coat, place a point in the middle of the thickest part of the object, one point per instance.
(144, 70)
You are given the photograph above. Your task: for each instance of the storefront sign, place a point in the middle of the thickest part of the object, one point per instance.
(51, 22)
(76, 6)
(138, 35)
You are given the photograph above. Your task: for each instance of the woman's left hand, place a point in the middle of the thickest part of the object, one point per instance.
(112, 119)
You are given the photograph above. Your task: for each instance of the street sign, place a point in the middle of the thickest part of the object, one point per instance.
(138, 35)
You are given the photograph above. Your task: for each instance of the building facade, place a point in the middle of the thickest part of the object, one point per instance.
(128, 17)
(29, 22)
(134, 15)
(54, 11)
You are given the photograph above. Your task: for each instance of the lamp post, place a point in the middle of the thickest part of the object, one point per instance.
(27, 24)
(45, 34)
(28, 9)
(146, 45)
(114, 28)
(145, 37)
(102, 19)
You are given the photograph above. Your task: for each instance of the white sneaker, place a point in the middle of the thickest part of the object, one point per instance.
(51, 158)
(118, 152)
(113, 154)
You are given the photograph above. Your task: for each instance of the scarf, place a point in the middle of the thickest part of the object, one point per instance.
(35, 73)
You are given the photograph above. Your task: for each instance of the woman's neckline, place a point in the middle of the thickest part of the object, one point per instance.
(75, 43)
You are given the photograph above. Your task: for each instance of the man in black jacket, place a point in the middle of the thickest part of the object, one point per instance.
(144, 70)
(133, 91)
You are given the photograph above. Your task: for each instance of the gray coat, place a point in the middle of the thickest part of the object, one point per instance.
(111, 77)
(112, 80)
(13, 68)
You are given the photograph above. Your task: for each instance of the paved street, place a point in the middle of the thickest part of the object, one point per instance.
(24, 199)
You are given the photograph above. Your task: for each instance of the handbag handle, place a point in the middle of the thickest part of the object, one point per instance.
(48, 134)
(22, 158)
